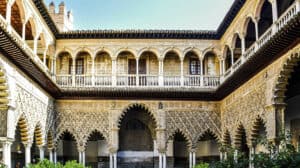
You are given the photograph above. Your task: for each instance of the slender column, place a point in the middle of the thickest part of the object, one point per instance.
(137, 72)
(225, 156)
(55, 156)
(115, 160)
(51, 155)
(160, 162)
(45, 56)
(35, 44)
(80, 157)
(161, 72)
(221, 68)
(83, 158)
(7, 154)
(251, 157)
(111, 162)
(235, 155)
(232, 56)
(297, 5)
(24, 31)
(201, 73)
(114, 72)
(8, 12)
(190, 160)
(181, 73)
(73, 71)
(224, 69)
(256, 29)
(27, 154)
(274, 10)
(194, 159)
(164, 160)
(93, 71)
(243, 45)
(42, 153)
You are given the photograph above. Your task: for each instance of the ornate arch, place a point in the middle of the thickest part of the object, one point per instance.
(211, 50)
(103, 50)
(282, 79)
(185, 135)
(126, 49)
(209, 131)
(61, 133)
(50, 140)
(140, 106)
(24, 129)
(246, 22)
(238, 135)
(172, 49)
(149, 49)
(90, 133)
(258, 122)
(226, 139)
(64, 50)
(193, 50)
(234, 39)
(4, 101)
(38, 134)
(258, 7)
(83, 50)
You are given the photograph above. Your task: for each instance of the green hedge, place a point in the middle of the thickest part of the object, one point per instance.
(47, 164)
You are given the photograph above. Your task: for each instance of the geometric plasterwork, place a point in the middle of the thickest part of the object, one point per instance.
(3, 103)
(35, 111)
(192, 124)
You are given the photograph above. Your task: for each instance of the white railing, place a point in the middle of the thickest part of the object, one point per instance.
(83, 80)
(287, 16)
(172, 80)
(250, 51)
(211, 81)
(265, 38)
(64, 80)
(148, 80)
(103, 80)
(192, 80)
(237, 64)
(126, 80)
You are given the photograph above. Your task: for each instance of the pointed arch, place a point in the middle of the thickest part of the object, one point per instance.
(138, 106)
(210, 133)
(60, 135)
(22, 124)
(226, 140)
(185, 135)
(50, 140)
(38, 135)
(256, 129)
(17, 16)
(240, 139)
(96, 132)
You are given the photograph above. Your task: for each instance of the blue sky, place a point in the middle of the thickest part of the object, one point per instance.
(147, 14)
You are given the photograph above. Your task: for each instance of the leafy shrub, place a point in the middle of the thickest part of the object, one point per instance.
(2, 165)
(202, 165)
(47, 164)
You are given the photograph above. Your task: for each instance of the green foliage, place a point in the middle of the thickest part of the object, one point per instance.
(2, 165)
(47, 164)
(202, 165)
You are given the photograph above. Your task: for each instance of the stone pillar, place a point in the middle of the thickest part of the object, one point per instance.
(190, 160)
(114, 72)
(161, 72)
(42, 153)
(8, 12)
(274, 10)
(45, 55)
(232, 56)
(137, 72)
(181, 73)
(164, 160)
(115, 160)
(235, 155)
(194, 158)
(243, 45)
(83, 157)
(256, 28)
(51, 155)
(35, 43)
(27, 154)
(224, 67)
(24, 31)
(73, 71)
(55, 156)
(93, 71)
(7, 153)
(251, 157)
(297, 5)
(111, 161)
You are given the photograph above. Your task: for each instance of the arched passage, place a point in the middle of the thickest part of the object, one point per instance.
(250, 31)
(207, 148)
(180, 150)
(127, 69)
(292, 98)
(259, 134)
(192, 68)
(241, 141)
(3, 4)
(172, 70)
(283, 5)
(17, 15)
(237, 50)
(64, 64)
(103, 69)
(228, 58)
(97, 151)
(211, 66)
(136, 138)
(67, 148)
(37, 143)
(266, 18)
(18, 148)
(148, 69)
